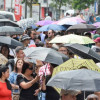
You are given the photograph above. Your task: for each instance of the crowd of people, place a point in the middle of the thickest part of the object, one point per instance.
(24, 80)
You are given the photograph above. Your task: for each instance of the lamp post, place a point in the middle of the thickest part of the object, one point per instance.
(25, 8)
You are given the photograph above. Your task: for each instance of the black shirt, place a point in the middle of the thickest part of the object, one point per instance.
(27, 94)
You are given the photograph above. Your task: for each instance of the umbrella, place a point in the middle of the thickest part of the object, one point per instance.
(2, 17)
(81, 79)
(73, 64)
(24, 23)
(6, 22)
(70, 21)
(84, 52)
(12, 43)
(72, 38)
(79, 28)
(97, 24)
(44, 22)
(45, 54)
(3, 59)
(51, 27)
(9, 30)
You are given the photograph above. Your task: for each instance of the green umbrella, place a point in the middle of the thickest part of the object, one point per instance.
(73, 64)
(72, 38)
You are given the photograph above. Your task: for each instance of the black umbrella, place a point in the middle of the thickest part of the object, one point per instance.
(84, 52)
(9, 30)
(12, 43)
(6, 22)
(45, 54)
(81, 28)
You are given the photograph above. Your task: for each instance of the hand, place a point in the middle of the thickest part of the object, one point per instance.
(36, 92)
(37, 77)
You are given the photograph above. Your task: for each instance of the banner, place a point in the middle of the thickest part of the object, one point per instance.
(18, 10)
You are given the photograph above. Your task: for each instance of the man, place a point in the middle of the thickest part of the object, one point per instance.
(25, 40)
(51, 34)
(96, 48)
(19, 54)
(68, 94)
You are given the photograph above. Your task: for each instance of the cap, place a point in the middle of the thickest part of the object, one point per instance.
(96, 36)
(70, 92)
(97, 39)
(25, 37)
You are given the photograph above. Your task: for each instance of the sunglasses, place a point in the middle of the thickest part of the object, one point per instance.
(30, 68)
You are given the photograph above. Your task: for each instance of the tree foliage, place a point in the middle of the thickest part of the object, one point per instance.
(81, 4)
(58, 4)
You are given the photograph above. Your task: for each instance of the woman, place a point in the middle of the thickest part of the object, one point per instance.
(5, 87)
(28, 84)
(5, 51)
(13, 75)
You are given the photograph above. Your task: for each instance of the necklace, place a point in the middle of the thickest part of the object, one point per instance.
(3, 81)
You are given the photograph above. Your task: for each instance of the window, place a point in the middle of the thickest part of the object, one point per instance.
(45, 1)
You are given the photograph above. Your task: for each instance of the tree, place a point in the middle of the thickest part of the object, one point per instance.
(58, 4)
(29, 4)
(82, 4)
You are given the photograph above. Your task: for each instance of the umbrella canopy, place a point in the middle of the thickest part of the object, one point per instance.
(51, 27)
(45, 54)
(6, 22)
(12, 43)
(2, 17)
(73, 64)
(44, 22)
(72, 38)
(24, 23)
(84, 52)
(79, 28)
(81, 79)
(3, 59)
(9, 30)
(97, 24)
(70, 21)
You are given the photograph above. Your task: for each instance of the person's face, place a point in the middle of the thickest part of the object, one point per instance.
(26, 42)
(6, 74)
(33, 34)
(5, 51)
(20, 54)
(68, 97)
(63, 50)
(48, 45)
(30, 70)
(50, 34)
(98, 44)
(19, 64)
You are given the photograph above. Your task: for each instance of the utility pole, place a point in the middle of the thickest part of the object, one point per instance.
(11, 5)
(25, 8)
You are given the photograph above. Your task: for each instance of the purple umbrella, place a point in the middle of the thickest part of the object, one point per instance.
(44, 22)
(97, 24)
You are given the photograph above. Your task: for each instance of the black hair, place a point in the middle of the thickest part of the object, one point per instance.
(25, 66)
(6, 47)
(4, 68)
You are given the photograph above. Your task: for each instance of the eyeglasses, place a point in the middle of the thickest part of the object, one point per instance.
(30, 68)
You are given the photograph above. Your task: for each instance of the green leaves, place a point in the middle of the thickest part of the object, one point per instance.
(82, 4)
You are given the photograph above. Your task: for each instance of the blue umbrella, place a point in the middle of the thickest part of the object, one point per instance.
(34, 26)
(51, 27)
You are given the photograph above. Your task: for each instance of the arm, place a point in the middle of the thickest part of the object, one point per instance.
(26, 85)
(14, 86)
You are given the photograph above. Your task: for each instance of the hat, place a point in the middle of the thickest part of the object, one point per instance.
(70, 92)
(25, 37)
(97, 39)
(96, 36)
